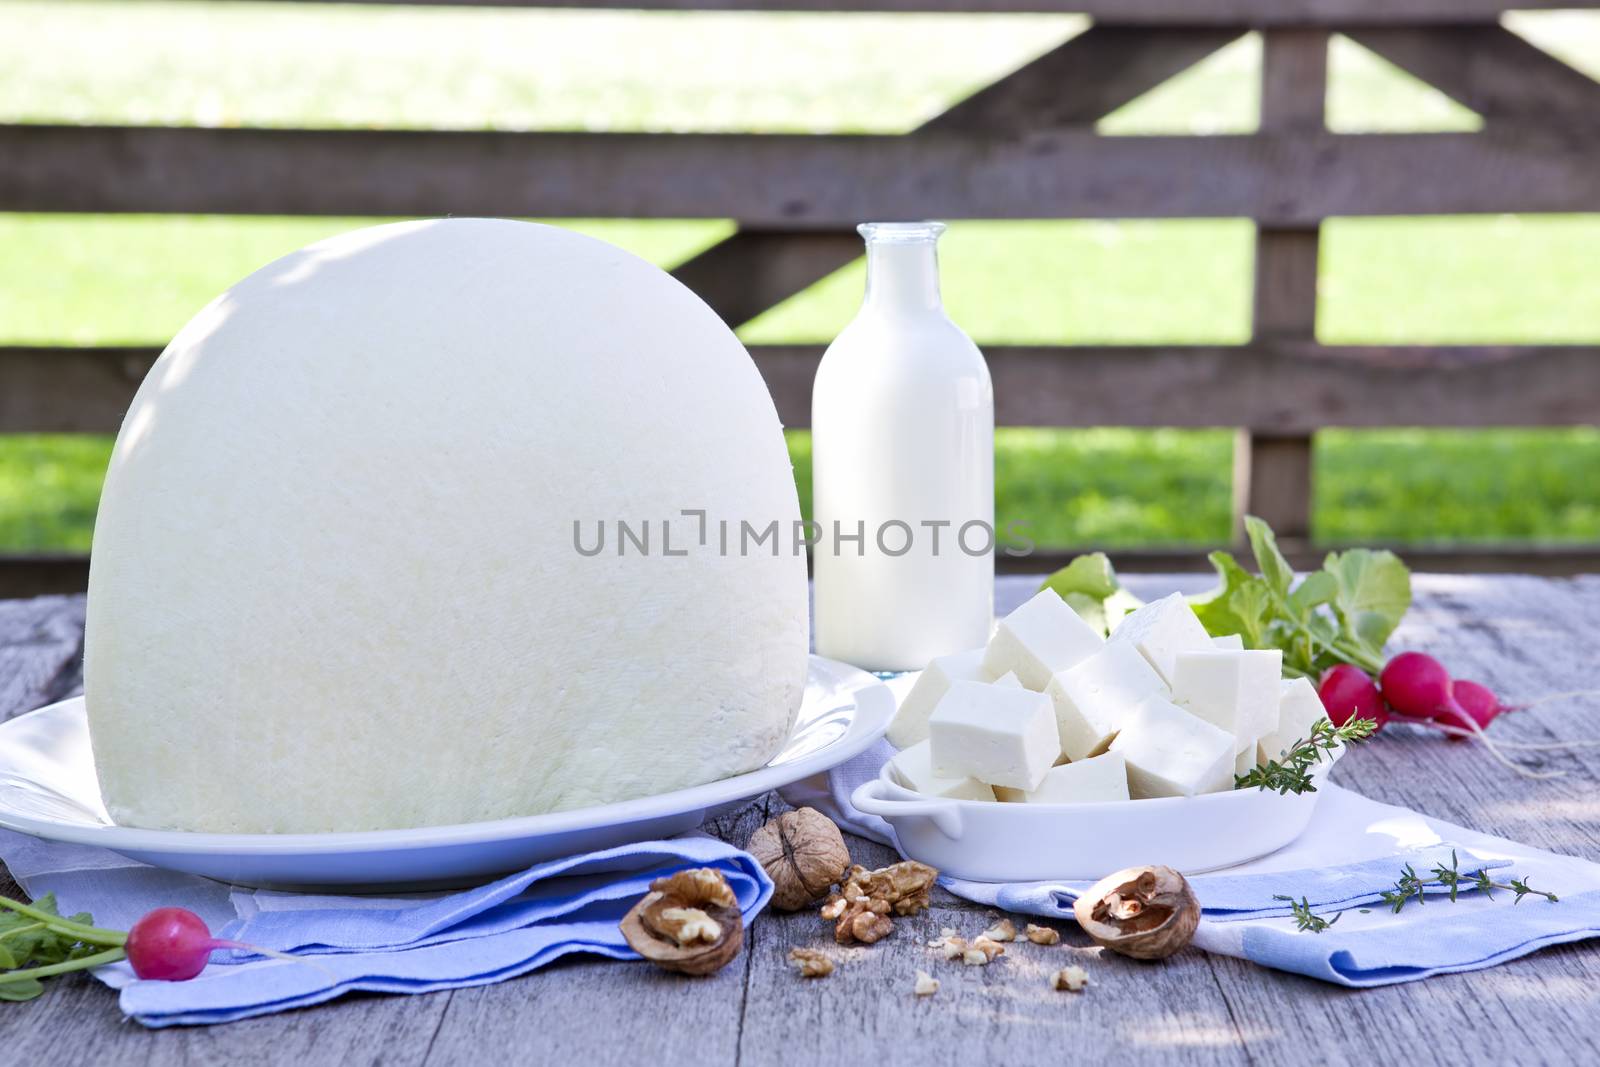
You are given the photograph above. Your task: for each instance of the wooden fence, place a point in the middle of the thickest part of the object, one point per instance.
(1024, 147)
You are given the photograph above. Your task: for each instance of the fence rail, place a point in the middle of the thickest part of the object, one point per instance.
(1023, 147)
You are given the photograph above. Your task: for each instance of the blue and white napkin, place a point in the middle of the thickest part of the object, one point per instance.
(408, 944)
(1351, 853)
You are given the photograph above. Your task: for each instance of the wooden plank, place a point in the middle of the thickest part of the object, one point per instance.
(1140, 12)
(755, 269)
(1273, 387)
(1476, 559)
(22, 575)
(794, 181)
(1491, 70)
(1075, 83)
(1524, 636)
(1276, 387)
(29, 575)
(41, 652)
(1277, 483)
(66, 390)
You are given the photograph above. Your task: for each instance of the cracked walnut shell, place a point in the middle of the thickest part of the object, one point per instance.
(1147, 913)
(803, 853)
(689, 922)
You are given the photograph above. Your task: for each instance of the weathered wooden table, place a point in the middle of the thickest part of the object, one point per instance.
(1523, 636)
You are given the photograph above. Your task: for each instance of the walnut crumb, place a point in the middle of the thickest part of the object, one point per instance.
(982, 951)
(927, 985)
(1004, 930)
(811, 962)
(954, 947)
(1042, 935)
(1072, 979)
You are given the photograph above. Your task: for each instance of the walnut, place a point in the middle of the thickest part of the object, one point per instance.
(689, 922)
(1072, 979)
(864, 923)
(1004, 930)
(1042, 935)
(927, 985)
(812, 963)
(905, 886)
(689, 925)
(1144, 912)
(803, 853)
(982, 951)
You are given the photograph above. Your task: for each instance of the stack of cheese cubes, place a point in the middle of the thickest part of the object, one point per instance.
(1051, 712)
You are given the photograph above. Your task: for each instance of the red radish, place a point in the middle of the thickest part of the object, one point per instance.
(1478, 701)
(170, 945)
(1416, 684)
(174, 945)
(1347, 692)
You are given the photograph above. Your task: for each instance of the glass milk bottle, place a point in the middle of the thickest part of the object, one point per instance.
(902, 422)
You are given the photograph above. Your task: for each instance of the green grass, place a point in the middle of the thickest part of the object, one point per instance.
(89, 279)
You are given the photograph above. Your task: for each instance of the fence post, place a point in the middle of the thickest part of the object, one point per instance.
(1272, 474)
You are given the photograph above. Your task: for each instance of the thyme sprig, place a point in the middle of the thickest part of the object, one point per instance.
(1292, 773)
(1305, 918)
(1412, 886)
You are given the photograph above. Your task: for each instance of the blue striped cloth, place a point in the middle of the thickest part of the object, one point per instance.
(409, 944)
(1351, 853)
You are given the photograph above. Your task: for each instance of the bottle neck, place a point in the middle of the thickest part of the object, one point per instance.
(903, 275)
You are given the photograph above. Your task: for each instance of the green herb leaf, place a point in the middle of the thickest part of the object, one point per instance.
(26, 989)
(1274, 568)
(1240, 605)
(1089, 586)
(1373, 594)
(36, 941)
(1092, 575)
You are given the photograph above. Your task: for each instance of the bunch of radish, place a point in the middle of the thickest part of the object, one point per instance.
(166, 945)
(1415, 688)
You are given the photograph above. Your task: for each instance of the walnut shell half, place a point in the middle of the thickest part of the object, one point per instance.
(804, 854)
(1147, 913)
(689, 922)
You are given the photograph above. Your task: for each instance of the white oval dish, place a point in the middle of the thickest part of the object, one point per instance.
(988, 841)
(48, 789)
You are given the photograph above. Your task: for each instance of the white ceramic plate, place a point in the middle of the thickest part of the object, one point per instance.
(987, 841)
(48, 789)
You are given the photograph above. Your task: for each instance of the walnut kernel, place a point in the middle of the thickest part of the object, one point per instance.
(1004, 930)
(1072, 979)
(1042, 935)
(927, 985)
(811, 962)
(982, 951)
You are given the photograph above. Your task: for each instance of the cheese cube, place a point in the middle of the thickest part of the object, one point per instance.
(910, 723)
(1010, 680)
(1244, 761)
(913, 768)
(1232, 642)
(996, 734)
(1299, 708)
(1172, 753)
(1091, 781)
(1237, 691)
(1160, 630)
(1040, 638)
(1093, 698)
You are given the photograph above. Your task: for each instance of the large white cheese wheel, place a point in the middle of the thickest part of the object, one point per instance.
(335, 582)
